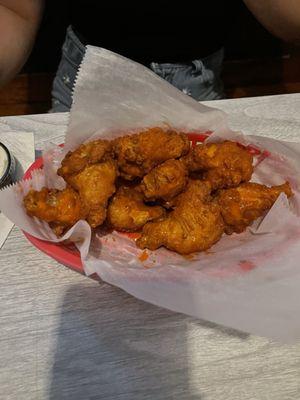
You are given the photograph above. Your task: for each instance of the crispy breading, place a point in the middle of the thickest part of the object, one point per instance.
(137, 154)
(60, 208)
(225, 164)
(242, 205)
(95, 184)
(86, 154)
(194, 225)
(127, 211)
(165, 181)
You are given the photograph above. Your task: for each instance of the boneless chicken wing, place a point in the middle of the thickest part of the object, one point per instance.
(165, 181)
(194, 225)
(137, 154)
(224, 164)
(242, 205)
(86, 154)
(60, 208)
(92, 172)
(127, 211)
(95, 184)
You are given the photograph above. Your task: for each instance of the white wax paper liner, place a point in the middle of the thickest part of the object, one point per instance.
(250, 281)
(230, 284)
(113, 95)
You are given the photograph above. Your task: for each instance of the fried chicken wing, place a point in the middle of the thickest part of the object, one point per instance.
(127, 211)
(194, 225)
(137, 154)
(95, 184)
(60, 208)
(86, 154)
(165, 181)
(242, 205)
(224, 164)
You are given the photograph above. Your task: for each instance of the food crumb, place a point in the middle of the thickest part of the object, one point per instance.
(144, 256)
(131, 235)
(246, 265)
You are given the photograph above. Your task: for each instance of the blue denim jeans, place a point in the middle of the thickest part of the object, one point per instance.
(199, 79)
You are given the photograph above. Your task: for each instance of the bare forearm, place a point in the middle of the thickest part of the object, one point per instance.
(280, 17)
(19, 21)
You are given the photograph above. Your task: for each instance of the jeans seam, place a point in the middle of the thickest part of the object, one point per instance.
(74, 64)
(71, 36)
(59, 86)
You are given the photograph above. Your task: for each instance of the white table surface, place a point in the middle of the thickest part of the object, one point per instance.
(64, 336)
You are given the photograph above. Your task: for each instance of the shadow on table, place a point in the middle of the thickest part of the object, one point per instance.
(112, 346)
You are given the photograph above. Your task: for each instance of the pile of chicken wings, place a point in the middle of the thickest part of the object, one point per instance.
(153, 182)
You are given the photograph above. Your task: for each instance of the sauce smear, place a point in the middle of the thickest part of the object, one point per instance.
(143, 256)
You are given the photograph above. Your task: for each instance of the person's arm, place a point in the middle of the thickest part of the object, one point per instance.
(19, 22)
(280, 17)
